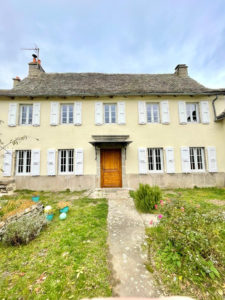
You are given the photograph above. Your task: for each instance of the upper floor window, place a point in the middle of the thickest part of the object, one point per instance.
(66, 161)
(197, 158)
(155, 159)
(109, 113)
(23, 160)
(192, 112)
(26, 114)
(152, 112)
(67, 113)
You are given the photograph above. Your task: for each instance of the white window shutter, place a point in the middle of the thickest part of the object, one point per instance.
(205, 112)
(36, 114)
(12, 114)
(51, 162)
(182, 112)
(79, 165)
(98, 113)
(142, 159)
(165, 114)
(142, 112)
(170, 160)
(212, 162)
(121, 113)
(185, 160)
(7, 163)
(77, 113)
(54, 117)
(35, 162)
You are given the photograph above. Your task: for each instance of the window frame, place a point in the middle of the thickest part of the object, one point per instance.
(154, 159)
(195, 156)
(66, 172)
(151, 105)
(67, 105)
(24, 158)
(27, 114)
(197, 112)
(110, 113)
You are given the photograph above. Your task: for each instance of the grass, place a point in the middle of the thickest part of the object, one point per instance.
(69, 258)
(187, 248)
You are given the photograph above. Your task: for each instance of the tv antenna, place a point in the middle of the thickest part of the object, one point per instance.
(35, 49)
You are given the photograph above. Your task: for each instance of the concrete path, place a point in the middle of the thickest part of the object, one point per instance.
(126, 236)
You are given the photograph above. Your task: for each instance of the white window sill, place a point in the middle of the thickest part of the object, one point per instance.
(155, 172)
(23, 174)
(26, 124)
(66, 124)
(66, 173)
(198, 171)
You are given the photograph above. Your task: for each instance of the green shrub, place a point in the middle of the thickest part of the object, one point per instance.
(188, 248)
(146, 197)
(24, 230)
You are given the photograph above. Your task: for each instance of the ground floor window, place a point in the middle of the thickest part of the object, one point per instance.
(23, 162)
(197, 160)
(155, 159)
(66, 161)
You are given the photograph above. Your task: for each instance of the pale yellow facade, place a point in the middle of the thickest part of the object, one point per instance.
(150, 135)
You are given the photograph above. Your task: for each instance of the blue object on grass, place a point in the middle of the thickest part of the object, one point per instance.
(36, 198)
(64, 209)
(63, 216)
(49, 217)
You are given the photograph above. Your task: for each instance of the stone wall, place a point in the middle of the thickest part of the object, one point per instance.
(34, 210)
(90, 182)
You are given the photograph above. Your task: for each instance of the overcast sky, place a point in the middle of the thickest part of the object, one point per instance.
(114, 36)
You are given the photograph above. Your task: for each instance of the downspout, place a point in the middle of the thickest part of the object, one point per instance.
(214, 108)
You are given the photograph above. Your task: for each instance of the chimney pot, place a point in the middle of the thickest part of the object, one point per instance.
(181, 70)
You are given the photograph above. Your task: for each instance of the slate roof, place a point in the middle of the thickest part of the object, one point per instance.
(101, 84)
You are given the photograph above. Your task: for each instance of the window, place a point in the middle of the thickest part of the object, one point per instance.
(67, 113)
(152, 112)
(110, 113)
(197, 159)
(23, 159)
(155, 159)
(192, 112)
(26, 113)
(66, 161)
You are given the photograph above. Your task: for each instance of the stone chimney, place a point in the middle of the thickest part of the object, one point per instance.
(181, 70)
(16, 81)
(35, 68)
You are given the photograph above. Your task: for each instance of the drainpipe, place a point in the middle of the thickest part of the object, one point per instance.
(214, 109)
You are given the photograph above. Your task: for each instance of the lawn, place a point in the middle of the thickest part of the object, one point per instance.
(187, 248)
(68, 260)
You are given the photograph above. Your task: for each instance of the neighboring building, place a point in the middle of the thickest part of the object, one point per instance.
(112, 130)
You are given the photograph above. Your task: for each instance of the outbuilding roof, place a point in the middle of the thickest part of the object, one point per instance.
(101, 84)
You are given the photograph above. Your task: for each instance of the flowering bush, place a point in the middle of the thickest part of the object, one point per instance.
(24, 230)
(146, 198)
(188, 246)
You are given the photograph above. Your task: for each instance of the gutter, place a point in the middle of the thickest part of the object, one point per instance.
(214, 108)
(221, 116)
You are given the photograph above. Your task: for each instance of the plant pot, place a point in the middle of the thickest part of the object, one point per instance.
(49, 217)
(35, 198)
(64, 209)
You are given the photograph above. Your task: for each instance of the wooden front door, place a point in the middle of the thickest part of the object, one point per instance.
(111, 171)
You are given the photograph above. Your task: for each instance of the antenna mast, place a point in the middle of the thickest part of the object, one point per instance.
(35, 49)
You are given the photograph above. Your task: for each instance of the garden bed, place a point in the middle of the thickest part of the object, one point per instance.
(187, 248)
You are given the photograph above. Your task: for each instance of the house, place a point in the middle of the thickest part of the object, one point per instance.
(112, 130)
